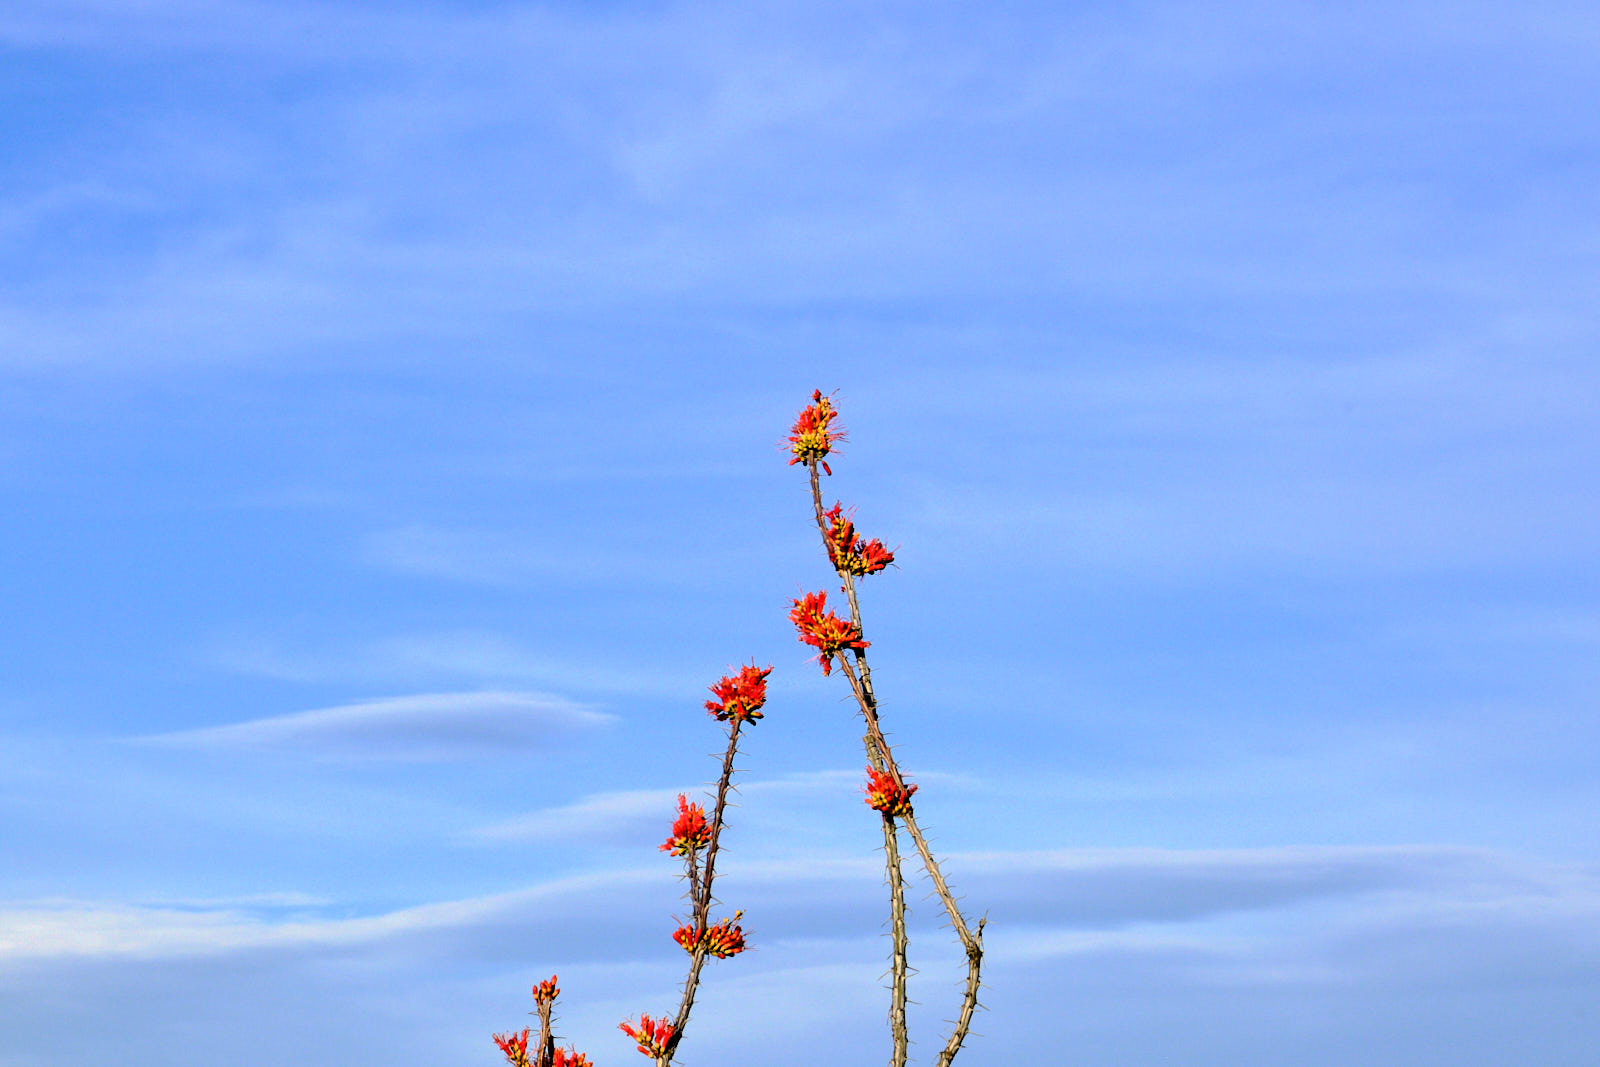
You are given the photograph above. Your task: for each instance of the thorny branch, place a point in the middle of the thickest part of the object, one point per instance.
(898, 965)
(700, 892)
(547, 1040)
(881, 755)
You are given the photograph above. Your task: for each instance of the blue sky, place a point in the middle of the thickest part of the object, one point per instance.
(390, 398)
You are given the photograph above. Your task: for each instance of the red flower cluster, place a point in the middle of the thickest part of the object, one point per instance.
(810, 440)
(651, 1035)
(850, 554)
(515, 1046)
(689, 830)
(722, 940)
(823, 630)
(740, 696)
(884, 795)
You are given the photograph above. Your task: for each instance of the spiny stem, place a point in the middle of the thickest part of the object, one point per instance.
(700, 892)
(969, 1000)
(898, 965)
(717, 820)
(885, 761)
(692, 869)
(546, 1056)
(882, 758)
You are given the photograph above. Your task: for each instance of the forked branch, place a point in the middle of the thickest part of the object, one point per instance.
(843, 642)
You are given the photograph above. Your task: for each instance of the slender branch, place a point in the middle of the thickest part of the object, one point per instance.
(898, 965)
(879, 747)
(969, 1000)
(692, 872)
(717, 819)
(882, 757)
(690, 985)
(816, 501)
(701, 896)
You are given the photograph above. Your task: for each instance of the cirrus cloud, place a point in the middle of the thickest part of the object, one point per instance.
(423, 726)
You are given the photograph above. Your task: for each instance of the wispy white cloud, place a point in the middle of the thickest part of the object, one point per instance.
(1180, 993)
(626, 814)
(600, 816)
(468, 555)
(284, 900)
(72, 928)
(472, 657)
(491, 557)
(1425, 929)
(425, 726)
(1079, 894)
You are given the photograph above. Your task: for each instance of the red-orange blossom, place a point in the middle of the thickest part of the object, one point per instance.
(823, 630)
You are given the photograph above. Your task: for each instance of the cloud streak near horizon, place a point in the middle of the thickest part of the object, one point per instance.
(1040, 897)
(1195, 923)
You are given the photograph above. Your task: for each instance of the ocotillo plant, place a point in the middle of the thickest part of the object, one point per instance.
(842, 641)
(737, 699)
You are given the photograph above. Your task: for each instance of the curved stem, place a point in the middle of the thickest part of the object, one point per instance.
(969, 999)
(879, 748)
(881, 755)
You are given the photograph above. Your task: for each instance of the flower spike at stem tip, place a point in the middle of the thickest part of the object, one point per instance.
(740, 696)
(811, 439)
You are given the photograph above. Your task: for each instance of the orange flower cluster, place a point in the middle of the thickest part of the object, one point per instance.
(515, 1046)
(722, 940)
(739, 696)
(850, 554)
(811, 439)
(823, 630)
(689, 830)
(651, 1035)
(885, 795)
